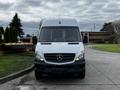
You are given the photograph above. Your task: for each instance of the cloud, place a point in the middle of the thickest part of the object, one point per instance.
(4, 6)
(7, 1)
(87, 12)
(112, 8)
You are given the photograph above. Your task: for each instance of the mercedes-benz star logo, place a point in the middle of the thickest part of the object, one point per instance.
(59, 57)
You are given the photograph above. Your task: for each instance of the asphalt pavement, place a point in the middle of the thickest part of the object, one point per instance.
(102, 73)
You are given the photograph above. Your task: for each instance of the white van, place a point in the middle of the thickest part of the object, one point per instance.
(59, 48)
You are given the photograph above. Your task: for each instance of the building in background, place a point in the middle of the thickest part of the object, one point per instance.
(110, 33)
(97, 37)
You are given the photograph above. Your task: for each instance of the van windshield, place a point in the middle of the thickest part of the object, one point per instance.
(60, 34)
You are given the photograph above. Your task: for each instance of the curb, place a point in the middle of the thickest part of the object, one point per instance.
(16, 75)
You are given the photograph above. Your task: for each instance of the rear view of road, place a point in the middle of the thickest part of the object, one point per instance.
(102, 73)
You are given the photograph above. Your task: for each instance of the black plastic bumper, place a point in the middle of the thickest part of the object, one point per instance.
(42, 67)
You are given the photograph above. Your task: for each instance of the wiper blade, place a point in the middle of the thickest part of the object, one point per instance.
(45, 43)
(73, 43)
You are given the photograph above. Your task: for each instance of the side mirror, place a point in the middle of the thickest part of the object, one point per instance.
(85, 39)
(34, 40)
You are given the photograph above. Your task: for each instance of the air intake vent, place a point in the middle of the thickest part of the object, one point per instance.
(59, 57)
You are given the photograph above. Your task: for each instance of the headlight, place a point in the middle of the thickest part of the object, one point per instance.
(79, 57)
(38, 57)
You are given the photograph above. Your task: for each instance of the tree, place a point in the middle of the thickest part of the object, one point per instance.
(1, 34)
(28, 35)
(16, 23)
(107, 27)
(7, 35)
(0, 37)
(13, 35)
(10, 35)
(2, 30)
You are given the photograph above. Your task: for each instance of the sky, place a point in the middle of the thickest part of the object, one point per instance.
(89, 13)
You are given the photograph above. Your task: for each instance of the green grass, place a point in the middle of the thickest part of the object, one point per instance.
(107, 47)
(10, 63)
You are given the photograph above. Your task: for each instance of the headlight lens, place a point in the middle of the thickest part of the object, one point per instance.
(38, 57)
(79, 57)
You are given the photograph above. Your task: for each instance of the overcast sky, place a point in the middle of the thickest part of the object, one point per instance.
(87, 12)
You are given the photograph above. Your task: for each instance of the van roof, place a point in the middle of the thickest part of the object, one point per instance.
(59, 22)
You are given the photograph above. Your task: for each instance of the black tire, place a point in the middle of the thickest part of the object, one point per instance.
(38, 75)
(81, 74)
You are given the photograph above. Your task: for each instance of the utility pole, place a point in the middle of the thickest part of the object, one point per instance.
(94, 27)
(91, 29)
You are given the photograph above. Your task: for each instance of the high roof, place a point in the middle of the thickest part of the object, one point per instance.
(59, 22)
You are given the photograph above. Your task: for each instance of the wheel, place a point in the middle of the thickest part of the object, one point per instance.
(38, 75)
(81, 74)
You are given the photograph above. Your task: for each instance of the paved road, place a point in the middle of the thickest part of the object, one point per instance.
(103, 73)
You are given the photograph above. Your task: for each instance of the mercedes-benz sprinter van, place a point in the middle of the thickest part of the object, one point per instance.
(59, 48)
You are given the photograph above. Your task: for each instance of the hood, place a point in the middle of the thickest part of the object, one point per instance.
(59, 47)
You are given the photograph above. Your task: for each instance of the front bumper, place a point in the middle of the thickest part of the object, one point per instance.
(75, 67)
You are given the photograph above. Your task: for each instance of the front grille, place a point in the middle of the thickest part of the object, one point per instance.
(59, 57)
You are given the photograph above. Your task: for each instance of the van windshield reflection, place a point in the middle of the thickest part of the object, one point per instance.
(60, 34)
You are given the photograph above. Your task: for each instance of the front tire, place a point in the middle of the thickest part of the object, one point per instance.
(81, 74)
(38, 75)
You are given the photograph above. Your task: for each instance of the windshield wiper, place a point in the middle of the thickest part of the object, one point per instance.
(73, 43)
(45, 43)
